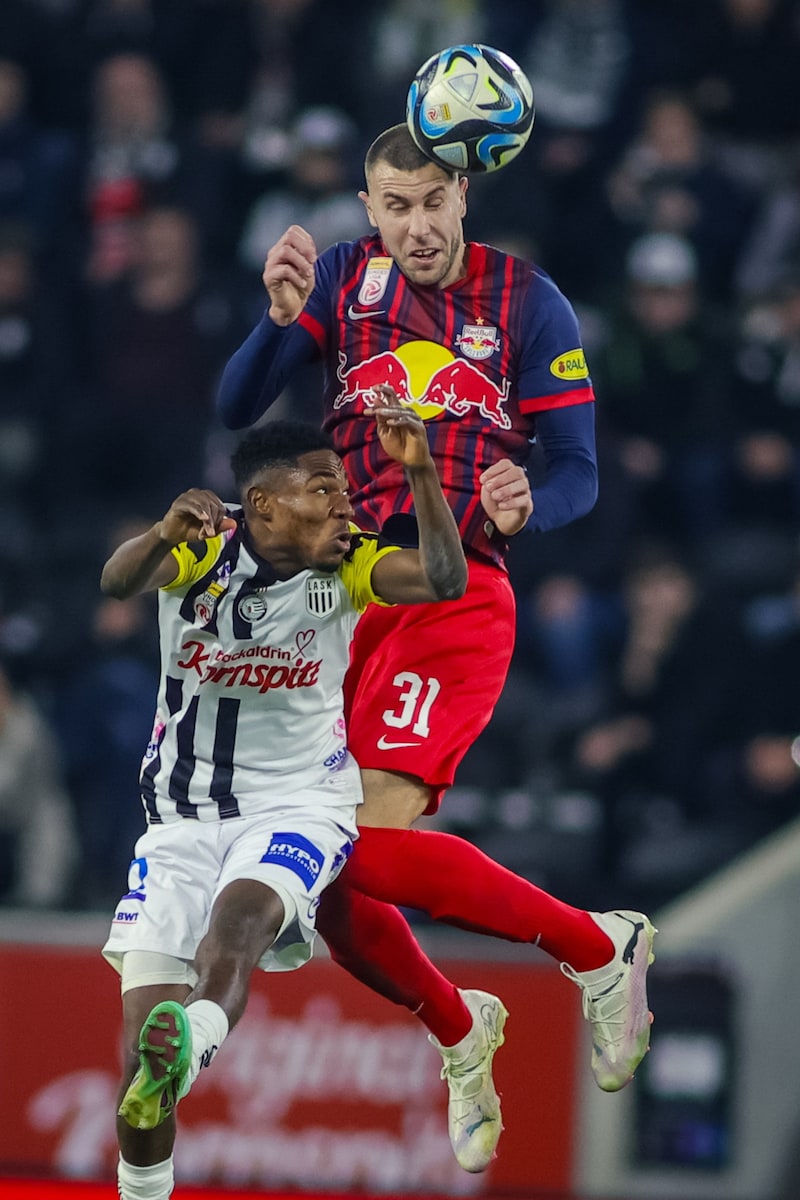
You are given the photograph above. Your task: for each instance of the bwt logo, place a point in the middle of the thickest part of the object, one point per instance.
(296, 853)
(125, 918)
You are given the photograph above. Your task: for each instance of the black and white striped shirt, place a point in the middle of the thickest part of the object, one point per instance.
(249, 709)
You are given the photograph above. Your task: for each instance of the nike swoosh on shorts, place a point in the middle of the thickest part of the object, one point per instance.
(384, 745)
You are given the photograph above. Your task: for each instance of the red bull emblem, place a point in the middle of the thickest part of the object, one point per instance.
(359, 382)
(455, 387)
(478, 341)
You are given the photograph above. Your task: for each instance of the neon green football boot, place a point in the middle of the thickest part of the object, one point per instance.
(165, 1055)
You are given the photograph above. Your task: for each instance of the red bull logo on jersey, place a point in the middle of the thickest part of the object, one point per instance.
(428, 378)
(478, 341)
(571, 365)
(240, 670)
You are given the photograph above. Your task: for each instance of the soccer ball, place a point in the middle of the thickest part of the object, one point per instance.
(470, 108)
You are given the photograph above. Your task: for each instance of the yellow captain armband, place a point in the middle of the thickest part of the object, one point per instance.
(194, 559)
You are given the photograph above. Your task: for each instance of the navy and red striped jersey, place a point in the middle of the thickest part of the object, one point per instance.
(478, 361)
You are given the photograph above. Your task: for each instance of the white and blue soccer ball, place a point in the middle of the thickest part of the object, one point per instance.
(470, 108)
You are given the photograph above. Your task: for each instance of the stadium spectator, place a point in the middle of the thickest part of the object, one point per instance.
(398, 37)
(259, 63)
(38, 170)
(590, 62)
(772, 250)
(318, 192)
(673, 688)
(38, 846)
(102, 714)
(38, 368)
(162, 32)
(663, 369)
(739, 59)
(668, 180)
(155, 342)
(132, 150)
(762, 767)
(764, 415)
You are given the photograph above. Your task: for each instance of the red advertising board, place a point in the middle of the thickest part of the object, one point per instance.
(322, 1085)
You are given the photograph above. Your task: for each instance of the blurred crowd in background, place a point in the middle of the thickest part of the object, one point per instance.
(151, 151)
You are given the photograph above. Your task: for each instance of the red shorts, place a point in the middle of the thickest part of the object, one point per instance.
(424, 679)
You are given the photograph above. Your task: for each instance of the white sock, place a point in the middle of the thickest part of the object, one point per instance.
(145, 1183)
(209, 1025)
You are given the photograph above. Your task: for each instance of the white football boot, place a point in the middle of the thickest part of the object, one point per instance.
(473, 1111)
(615, 998)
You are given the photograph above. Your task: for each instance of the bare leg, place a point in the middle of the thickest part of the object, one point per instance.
(172, 1032)
(244, 923)
(392, 800)
(143, 1147)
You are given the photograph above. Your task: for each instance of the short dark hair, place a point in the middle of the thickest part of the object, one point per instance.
(396, 147)
(275, 444)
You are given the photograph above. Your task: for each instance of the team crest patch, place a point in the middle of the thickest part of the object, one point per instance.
(321, 597)
(478, 341)
(375, 281)
(253, 607)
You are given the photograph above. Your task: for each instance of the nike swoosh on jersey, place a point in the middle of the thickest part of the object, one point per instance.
(355, 315)
(384, 745)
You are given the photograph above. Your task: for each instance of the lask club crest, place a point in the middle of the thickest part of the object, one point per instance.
(321, 598)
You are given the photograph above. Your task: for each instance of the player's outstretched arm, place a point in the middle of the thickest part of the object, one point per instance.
(288, 274)
(438, 570)
(144, 563)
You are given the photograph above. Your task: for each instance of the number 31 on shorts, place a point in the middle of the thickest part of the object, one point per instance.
(415, 702)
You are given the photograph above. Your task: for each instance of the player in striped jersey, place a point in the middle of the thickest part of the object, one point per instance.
(248, 783)
(487, 350)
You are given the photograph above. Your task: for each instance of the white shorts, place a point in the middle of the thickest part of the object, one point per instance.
(179, 869)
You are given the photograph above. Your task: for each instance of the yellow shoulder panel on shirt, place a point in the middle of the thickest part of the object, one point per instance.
(194, 559)
(356, 570)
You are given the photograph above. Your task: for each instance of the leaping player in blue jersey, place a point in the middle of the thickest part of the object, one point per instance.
(487, 350)
(248, 783)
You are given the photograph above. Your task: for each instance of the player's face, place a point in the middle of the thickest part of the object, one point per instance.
(309, 512)
(419, 215)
